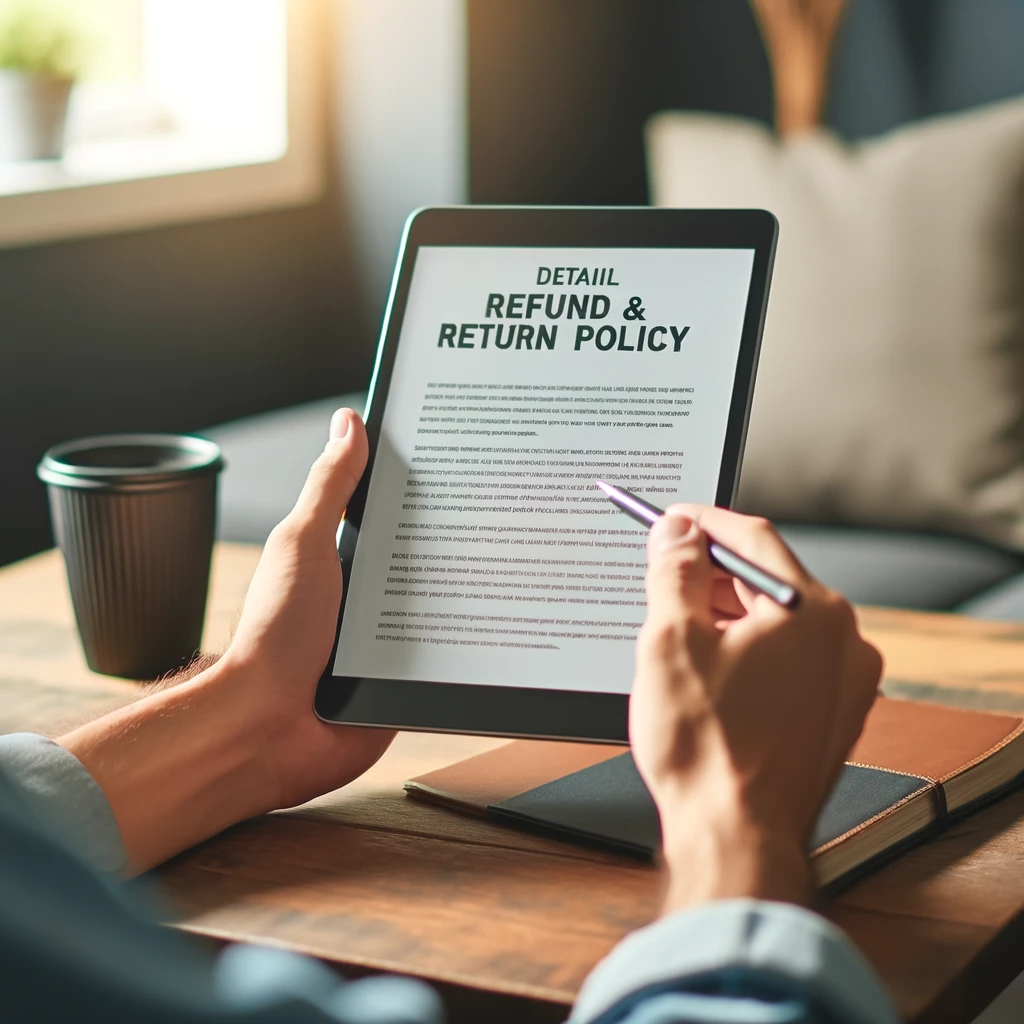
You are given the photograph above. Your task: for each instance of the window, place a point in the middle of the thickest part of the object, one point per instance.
(184, 109)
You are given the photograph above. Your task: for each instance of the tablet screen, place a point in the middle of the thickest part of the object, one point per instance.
(486, 555)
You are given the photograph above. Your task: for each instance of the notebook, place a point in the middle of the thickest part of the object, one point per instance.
(915, 768)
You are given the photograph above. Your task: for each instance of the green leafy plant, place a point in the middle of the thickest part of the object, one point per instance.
(40, 43)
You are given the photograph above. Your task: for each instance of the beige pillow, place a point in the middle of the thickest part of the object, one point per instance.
(891, 383)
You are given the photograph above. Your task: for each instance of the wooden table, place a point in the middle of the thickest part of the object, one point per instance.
(509, 924)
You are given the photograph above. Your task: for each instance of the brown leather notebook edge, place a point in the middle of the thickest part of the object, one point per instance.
(931, 740)
(440, 798)
(1005, 742)
(491, 778)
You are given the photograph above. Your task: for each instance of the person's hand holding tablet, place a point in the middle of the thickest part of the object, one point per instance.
(237, 736)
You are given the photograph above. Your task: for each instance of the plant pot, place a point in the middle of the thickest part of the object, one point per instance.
(33, 115)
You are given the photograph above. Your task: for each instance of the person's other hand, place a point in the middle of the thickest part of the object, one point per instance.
(742, 712)
(286, 632)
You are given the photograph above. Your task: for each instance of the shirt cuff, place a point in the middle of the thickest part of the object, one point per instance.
(64, 797)
(779, 940)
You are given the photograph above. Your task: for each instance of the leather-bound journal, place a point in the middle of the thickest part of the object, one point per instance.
(914, 768)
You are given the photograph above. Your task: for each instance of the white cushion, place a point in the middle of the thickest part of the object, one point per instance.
(891, 383)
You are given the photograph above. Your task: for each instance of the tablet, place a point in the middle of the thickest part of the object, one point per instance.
(526, 352)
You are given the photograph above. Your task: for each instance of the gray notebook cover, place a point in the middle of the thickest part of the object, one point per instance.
(608, 805)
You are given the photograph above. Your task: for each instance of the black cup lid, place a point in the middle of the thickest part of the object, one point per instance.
(125, 460)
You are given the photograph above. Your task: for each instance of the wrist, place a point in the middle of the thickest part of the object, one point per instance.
(729, 854)
(176, 766)
(263, 727)
(229, 745)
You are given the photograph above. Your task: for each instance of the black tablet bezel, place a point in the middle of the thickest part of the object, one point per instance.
(528, 712)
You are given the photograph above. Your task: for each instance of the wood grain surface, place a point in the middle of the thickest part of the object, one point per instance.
(372, 881)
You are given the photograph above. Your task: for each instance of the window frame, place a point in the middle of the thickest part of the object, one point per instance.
(298, 177)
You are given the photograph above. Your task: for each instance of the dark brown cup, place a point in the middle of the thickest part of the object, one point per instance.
(134, 515)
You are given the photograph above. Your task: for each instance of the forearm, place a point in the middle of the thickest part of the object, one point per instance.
(177, 766)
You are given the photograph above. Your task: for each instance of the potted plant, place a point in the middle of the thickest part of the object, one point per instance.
(39, 62)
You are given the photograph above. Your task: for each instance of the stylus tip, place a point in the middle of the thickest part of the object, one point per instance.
(604, 487)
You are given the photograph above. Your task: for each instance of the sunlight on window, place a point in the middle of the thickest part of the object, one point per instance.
(166, 86)
(181, 110)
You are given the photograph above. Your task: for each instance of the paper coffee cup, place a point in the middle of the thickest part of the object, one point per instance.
(134, 515)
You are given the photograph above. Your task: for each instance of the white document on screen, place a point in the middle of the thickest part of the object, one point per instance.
(486, 555)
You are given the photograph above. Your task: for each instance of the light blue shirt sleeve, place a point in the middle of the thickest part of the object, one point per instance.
(735, 962)
(65, 797)
(739, 962)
